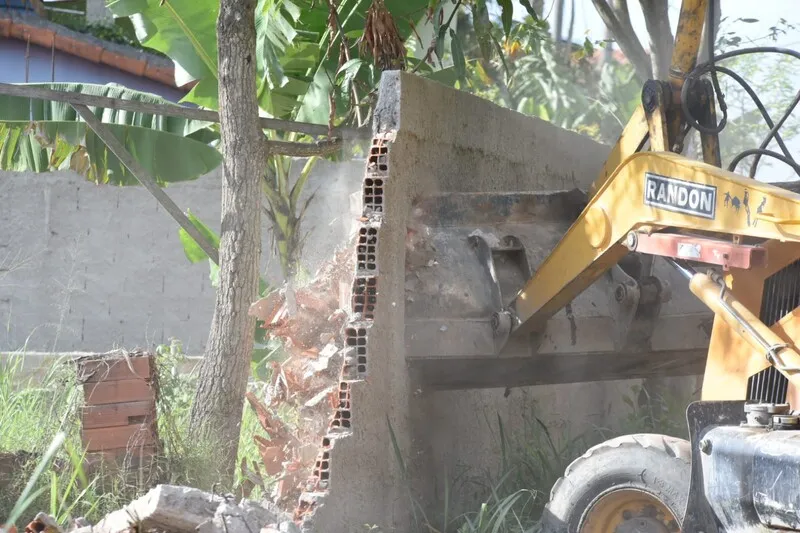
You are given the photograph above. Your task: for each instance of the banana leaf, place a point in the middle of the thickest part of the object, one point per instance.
(42, 146)
(19, 108)
(184, 30)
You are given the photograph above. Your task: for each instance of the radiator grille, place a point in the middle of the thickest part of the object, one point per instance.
(781, 296)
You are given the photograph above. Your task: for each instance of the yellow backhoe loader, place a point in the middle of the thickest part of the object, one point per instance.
(736, 241)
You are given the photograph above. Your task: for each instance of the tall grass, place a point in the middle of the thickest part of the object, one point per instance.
(531, 460)
(37, 409)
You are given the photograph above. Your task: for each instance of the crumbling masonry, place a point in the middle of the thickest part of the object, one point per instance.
(393, 433)
(364, 296)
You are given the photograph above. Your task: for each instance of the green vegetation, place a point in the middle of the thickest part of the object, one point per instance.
(39, 410)
(531, 458)
(121, 32)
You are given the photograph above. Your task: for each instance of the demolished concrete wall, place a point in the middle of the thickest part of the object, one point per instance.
(431, 140)
(91, 268)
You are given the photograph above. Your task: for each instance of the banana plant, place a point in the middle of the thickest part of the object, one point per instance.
(284, 209)
(301, 45)
(40, 136)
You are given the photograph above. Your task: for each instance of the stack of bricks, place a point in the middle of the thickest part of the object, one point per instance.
(119, 413)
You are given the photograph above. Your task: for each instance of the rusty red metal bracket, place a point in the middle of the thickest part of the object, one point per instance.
(702, 249)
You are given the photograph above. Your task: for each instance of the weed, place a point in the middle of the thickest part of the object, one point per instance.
(37, 409)
(532, 459)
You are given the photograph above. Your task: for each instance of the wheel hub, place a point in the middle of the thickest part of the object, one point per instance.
(641, 525)
(628, 510)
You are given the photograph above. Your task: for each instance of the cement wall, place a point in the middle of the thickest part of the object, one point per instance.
(91, 268)
(431, 139)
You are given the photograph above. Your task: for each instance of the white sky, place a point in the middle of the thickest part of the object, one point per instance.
(768, 13)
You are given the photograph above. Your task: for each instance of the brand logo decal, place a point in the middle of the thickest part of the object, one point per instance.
(680, 196)
(737, 204)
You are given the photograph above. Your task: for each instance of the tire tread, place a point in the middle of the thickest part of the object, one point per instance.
(678, 449)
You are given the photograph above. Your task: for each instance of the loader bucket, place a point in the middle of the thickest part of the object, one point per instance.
(468, 255)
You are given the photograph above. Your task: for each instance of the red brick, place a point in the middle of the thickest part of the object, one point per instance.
(115, 455)
(115, 369)
(160, 74)
(41, 36)
(122, 62)
(127, 390)
(118, 414)
(5, 27)
(101, 439)
(76, 47)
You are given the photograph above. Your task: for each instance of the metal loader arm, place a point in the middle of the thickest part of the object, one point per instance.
(651, 190)
(592, 245)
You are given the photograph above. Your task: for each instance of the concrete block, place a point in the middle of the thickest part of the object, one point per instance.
(88, 267)
(244, 517)
(166, 508)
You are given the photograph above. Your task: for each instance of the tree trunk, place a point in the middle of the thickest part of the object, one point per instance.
(559, 22)
(656, 18)
(617, 19)
(217, 409)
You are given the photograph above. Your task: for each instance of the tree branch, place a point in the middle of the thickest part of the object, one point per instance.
(172, 110)
(625, 37)
(295, 149)
(656, 18)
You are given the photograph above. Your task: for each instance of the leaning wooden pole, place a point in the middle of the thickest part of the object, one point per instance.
(173, 110)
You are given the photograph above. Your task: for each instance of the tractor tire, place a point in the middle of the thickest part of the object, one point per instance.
(631, 483)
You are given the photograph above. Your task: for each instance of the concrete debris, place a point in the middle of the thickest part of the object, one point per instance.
(285, 527)
(307, 380)
(178, 509)
(244, 517)
(166, 507)
(323, 394)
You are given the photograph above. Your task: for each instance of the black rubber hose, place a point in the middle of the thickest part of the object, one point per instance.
(773, 132)
(757, 101)
(710, 66)
(736, 160)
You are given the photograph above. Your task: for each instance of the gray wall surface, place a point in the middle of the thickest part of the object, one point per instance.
(439, 140)
(86, 267)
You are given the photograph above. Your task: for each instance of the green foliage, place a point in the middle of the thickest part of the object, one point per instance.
(770, 76)
(532, 459)
(184, 30)
(40, 418)
(29, 494)
(34, 408)
(532, 77)
(51, 145)
(121, 32)
(46, 135)
(285, 211)
(192, 250)
(18, 108)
